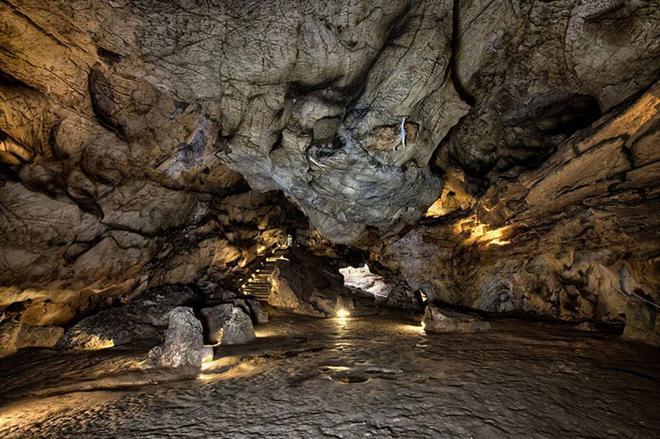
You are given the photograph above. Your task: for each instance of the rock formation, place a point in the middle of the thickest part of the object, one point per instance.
(228, 324)
(144, 318)
(184, 343)
(573, 239)
(438, 321)
(308, 285)
(151, 143)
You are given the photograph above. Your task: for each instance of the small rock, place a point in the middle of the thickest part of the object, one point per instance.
(228, 324)
(214, 319)
(439, 321)
(184, 342)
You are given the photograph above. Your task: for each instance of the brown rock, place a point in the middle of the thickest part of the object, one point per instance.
(438, 320)
(15, 336)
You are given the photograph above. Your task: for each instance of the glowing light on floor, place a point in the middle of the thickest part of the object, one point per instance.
(412, 329)
(242, 370)
(220, 363)
(276, 258)
(343, 313)
(265, 333)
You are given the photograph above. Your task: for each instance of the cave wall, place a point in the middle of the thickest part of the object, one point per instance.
(575, 239)
(130, 131)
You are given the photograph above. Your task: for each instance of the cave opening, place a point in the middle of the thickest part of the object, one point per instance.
(391, 219)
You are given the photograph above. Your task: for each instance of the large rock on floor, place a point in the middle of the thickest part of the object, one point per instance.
(438, 320)
(184, 342)
(144, 318)
(228, 325)
(15, 336)
(257, 312)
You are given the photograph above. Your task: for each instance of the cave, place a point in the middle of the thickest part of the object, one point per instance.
(367, 218)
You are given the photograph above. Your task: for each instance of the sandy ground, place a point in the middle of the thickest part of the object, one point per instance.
(368, 377)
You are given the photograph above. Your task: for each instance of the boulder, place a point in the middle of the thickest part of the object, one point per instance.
(15, 336)
(184, 342)
(257, 312)
(146, 317)
(228, 324)
(438, 321)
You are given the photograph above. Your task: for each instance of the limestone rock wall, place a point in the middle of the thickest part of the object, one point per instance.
(130, 130)
(575, 239)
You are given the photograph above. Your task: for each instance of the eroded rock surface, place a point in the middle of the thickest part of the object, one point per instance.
(130, 130)
(228, 325)
(144, 318)
(15, 336)
(574, 239)
(437, 320)
(184, 342)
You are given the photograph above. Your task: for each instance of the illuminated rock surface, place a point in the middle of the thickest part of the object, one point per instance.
(130, 131)
(436, 321)
(184, 341)
(159, 158)
(228, 324)
(353, 378)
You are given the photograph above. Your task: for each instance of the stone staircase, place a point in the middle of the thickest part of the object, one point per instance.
(258, 283)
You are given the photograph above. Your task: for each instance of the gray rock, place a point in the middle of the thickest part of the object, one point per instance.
(214, 319)
(228, 325)
(402, 297)
(496, 295)
(146, 317)
(238, 329)
(259, 316)
(184, 342)
(438, 321)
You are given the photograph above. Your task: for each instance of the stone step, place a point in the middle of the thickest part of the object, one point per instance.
(256, 289)
(256, 282)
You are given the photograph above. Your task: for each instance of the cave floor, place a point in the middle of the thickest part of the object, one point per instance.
(367, 377)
